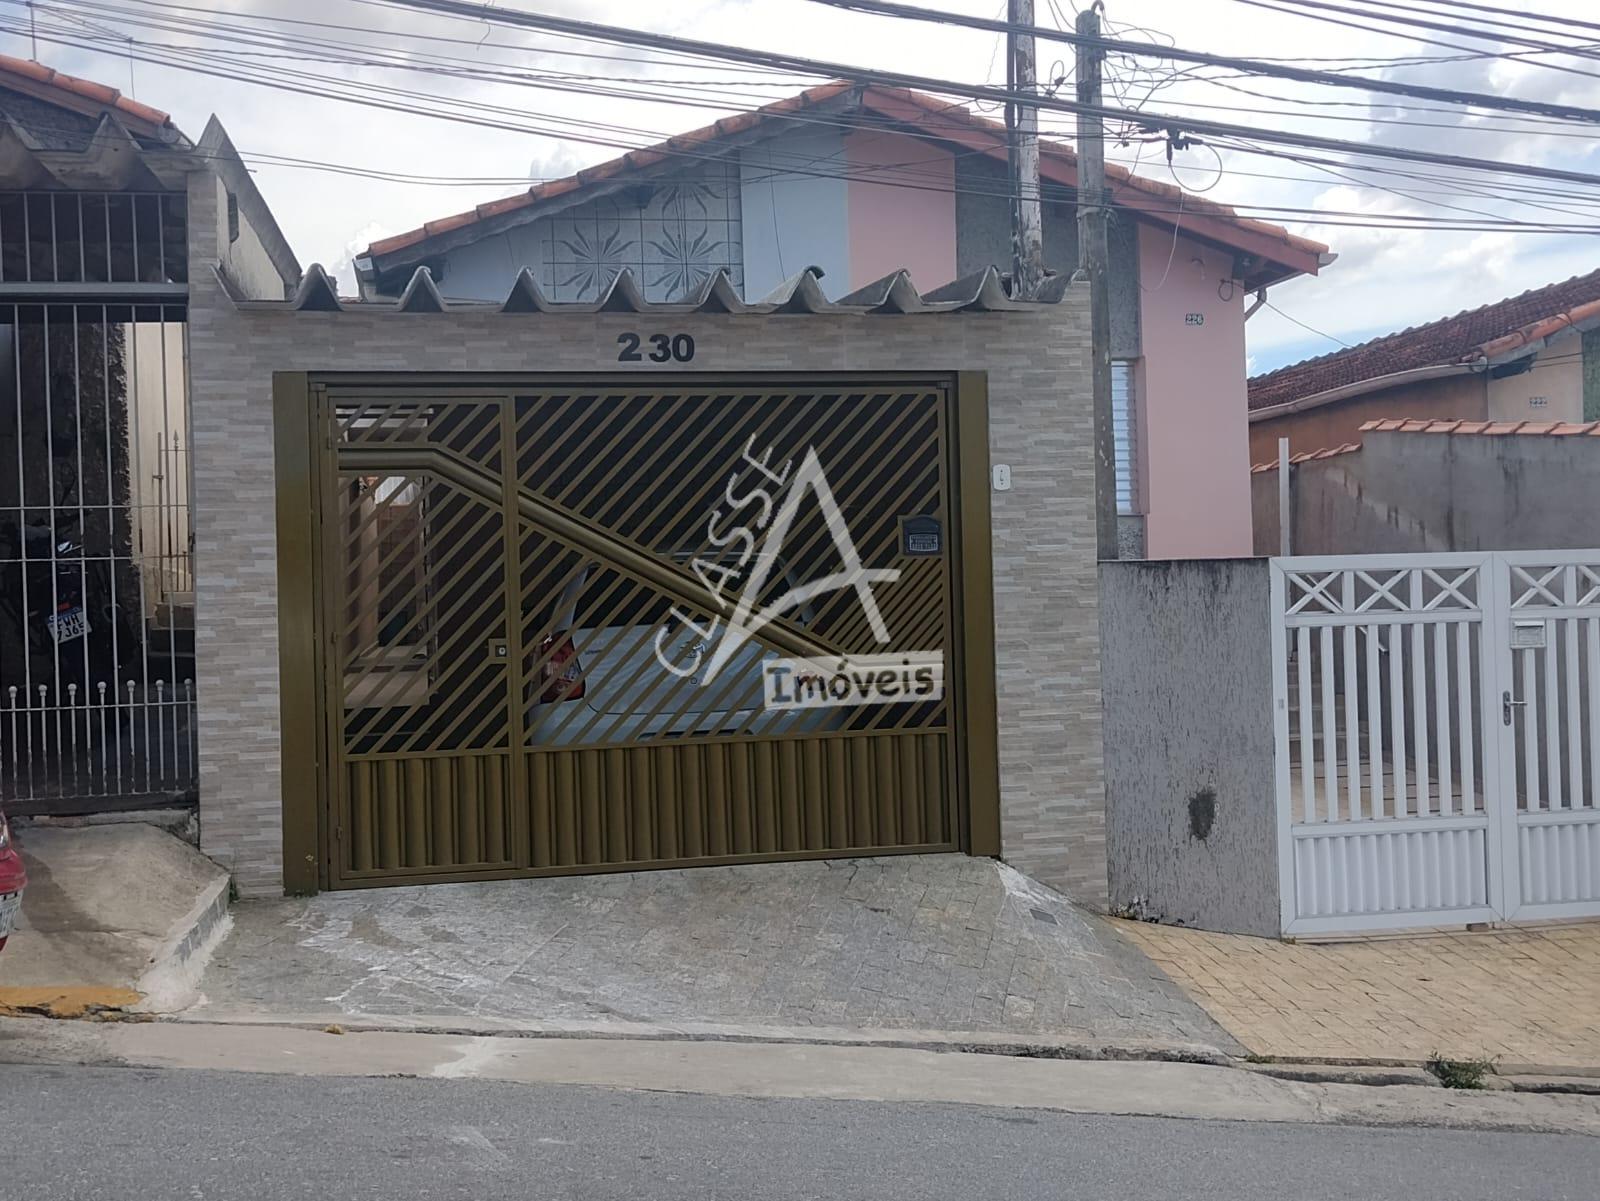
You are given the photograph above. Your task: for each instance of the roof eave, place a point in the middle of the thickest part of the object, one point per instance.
(1316, 400)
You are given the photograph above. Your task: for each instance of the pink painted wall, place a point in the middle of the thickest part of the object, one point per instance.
(893, 227)
(1192, 420)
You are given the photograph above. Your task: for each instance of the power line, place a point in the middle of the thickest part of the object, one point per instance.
(1373, 12)
(1325, 217)
(1173, 124)
(892, 8)
(1304, 326)
(205, 29)
(1279, 6)
(1469, 26)
(1523, 14)
(1331, 218)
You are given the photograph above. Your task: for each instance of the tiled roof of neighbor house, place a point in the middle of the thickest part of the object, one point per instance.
(1558, 429)
(1490, 332)
(48, 83)
(932, 117)
(1408, 425)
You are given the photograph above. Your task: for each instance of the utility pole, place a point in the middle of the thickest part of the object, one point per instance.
(1027, 229)
(1094, 254)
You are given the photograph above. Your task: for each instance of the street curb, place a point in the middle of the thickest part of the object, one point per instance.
(970, 1042)
(169, 980)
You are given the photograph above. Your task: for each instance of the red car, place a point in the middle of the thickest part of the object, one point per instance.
(13, 879)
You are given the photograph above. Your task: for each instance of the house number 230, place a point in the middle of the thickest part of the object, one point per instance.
(664, 348)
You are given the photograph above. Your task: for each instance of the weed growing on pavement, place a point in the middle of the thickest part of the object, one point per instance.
(1459, 1073)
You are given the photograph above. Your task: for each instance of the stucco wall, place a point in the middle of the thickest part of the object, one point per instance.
(1439, 492)
(1046, 630)
(1550, 390)
(796, 218)
(244, 258)
(1459, 396)
(1192, 402)
(1191, 826)
(893, 225)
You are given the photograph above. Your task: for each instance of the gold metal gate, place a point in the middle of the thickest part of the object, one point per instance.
(573, 626)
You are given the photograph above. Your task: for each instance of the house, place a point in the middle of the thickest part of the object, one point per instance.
(110, 220)
(1533, 357)
(858, 181)
(473, 583)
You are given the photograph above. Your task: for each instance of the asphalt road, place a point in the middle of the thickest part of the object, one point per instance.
(88, 1132)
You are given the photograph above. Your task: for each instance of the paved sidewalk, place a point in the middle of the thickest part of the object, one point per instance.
(1527, 997)
(939, 942)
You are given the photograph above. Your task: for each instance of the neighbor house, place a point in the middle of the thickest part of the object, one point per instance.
(111, 220)
(1533, 357)
(856, 182)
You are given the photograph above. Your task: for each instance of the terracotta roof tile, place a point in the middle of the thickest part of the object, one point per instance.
(936, 118)
(1306, 456)
(1487, 332)
(1554, 429)
(81, 89)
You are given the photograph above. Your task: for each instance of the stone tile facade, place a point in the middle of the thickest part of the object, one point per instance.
(1046, 603)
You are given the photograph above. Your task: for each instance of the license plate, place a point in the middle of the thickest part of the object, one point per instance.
(10, 906)
(64, 627)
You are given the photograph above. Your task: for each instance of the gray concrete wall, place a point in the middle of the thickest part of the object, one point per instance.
(1440, 492)
(1191, 826)
(1046, 634)
(244, 259)
(983, 239)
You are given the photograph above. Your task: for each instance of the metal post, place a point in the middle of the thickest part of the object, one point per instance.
(1094, 257)
(1285, 501)
(1027, 240)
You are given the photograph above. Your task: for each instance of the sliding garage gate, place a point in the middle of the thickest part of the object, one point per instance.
(579, 626)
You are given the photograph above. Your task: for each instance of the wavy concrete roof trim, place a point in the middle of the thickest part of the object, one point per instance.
(114, 160)
(894, 294)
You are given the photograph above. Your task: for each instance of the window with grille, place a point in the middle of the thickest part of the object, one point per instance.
(1125, 429)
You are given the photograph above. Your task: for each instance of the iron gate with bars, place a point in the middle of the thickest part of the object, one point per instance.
(96, 580)
(522, 595)
(1438, 738)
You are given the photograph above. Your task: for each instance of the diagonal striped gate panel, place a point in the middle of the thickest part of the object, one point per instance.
(524, 595)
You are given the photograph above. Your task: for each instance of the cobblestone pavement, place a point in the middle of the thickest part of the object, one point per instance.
(1527, 996)
(939, 942)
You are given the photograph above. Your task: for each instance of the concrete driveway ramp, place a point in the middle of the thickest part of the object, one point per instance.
(901, 946)
(115, 917)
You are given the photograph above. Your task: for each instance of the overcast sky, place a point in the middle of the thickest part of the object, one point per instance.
(1384, 279)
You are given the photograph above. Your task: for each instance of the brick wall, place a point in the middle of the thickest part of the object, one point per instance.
(1046, 603)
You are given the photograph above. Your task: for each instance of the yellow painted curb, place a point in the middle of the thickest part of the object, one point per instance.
(66, 1001)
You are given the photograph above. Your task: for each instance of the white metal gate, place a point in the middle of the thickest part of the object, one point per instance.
(1438, 738)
